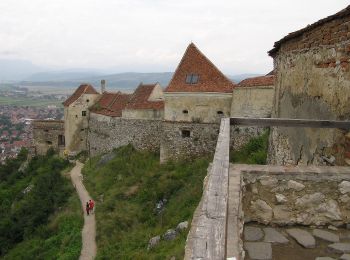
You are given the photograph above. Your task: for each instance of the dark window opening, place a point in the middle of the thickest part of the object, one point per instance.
(185, 111)
(76, 116)
(46, 130)
(185, 133)
(83, 113)
(81, 139)
(220, 113)
(82, 129)
(87, 100)
(192, 78)
(48, 142)
(61, 140)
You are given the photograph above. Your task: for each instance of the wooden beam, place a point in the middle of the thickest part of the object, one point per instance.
(285, 122)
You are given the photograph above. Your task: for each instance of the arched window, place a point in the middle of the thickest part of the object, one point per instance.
(220, 113)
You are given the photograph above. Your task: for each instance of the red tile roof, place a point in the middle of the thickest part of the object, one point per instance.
(111, 104)
(343, 13)
(140, 98)
(82, 89)
(267, 80)
(211, 79)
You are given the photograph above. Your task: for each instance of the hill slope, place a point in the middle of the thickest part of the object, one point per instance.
(40, 215)
(128, 188)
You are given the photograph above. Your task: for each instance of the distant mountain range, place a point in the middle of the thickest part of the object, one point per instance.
(122, 81)
(26, 74)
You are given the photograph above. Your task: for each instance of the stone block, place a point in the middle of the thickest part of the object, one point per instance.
(259, 250)
(303, 237)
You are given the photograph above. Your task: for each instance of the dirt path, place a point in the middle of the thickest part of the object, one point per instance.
(88, 250)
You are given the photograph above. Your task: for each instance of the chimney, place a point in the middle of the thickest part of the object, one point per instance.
(103, 86)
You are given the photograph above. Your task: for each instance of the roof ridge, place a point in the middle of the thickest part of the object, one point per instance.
(292, 35)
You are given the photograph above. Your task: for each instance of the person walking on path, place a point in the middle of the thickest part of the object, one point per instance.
(87, 208)
(88, 250)
(91, 206)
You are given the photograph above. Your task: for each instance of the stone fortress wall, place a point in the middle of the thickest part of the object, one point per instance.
(106, 133)
(313, 82)
(48, 134)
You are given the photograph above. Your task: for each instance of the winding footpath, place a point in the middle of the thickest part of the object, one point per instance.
(88, 251)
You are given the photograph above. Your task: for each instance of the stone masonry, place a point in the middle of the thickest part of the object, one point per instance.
(48, 134)
(312, 82)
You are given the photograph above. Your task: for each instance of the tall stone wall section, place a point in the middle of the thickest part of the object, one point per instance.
(313, 82)
(47, 134)
(106, 133)
(201, 140)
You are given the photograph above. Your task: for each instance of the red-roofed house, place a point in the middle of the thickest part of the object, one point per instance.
(198, 91)
(76, 112)
(110, 104)
(147, 102)
(253, 97)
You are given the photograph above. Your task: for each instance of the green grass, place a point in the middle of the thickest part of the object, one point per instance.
(59, 239)
(9, 101)
(131, 184)
(254, 152)
(45, 222)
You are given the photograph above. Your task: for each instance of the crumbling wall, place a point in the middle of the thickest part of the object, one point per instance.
(306, 196)
(201, 140)
(46, 135)
(313, 82)
(106, 133)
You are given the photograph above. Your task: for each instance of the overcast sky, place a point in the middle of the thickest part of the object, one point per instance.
(151, 35)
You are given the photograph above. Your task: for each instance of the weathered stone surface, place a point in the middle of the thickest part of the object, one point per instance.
(252, 233)
(262, 210)
(325, 235)
(330, 209)
(344, 198)
(344, 187)
(268, 181)
(182, 226)
(153, 242)
(345, 257)
(258, 250)
(340, 247)
(310, 200)
(282, 215)
(303, 237)
(273, 236)
(324, 258)
(281, 198)
(170, 234)
(332, 228)
(295, 185)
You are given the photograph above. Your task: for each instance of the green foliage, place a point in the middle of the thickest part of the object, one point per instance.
(40, 217)
(131, 184)
(254, 152)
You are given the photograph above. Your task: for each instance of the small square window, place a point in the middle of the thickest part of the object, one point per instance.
(83, 113)
(185, 133)
(192, 78)
(185, 111)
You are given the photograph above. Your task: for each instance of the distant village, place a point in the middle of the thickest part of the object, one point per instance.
(16, 128)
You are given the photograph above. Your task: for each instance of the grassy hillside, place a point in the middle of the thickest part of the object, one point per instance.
(40, 215)
(127, 189)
